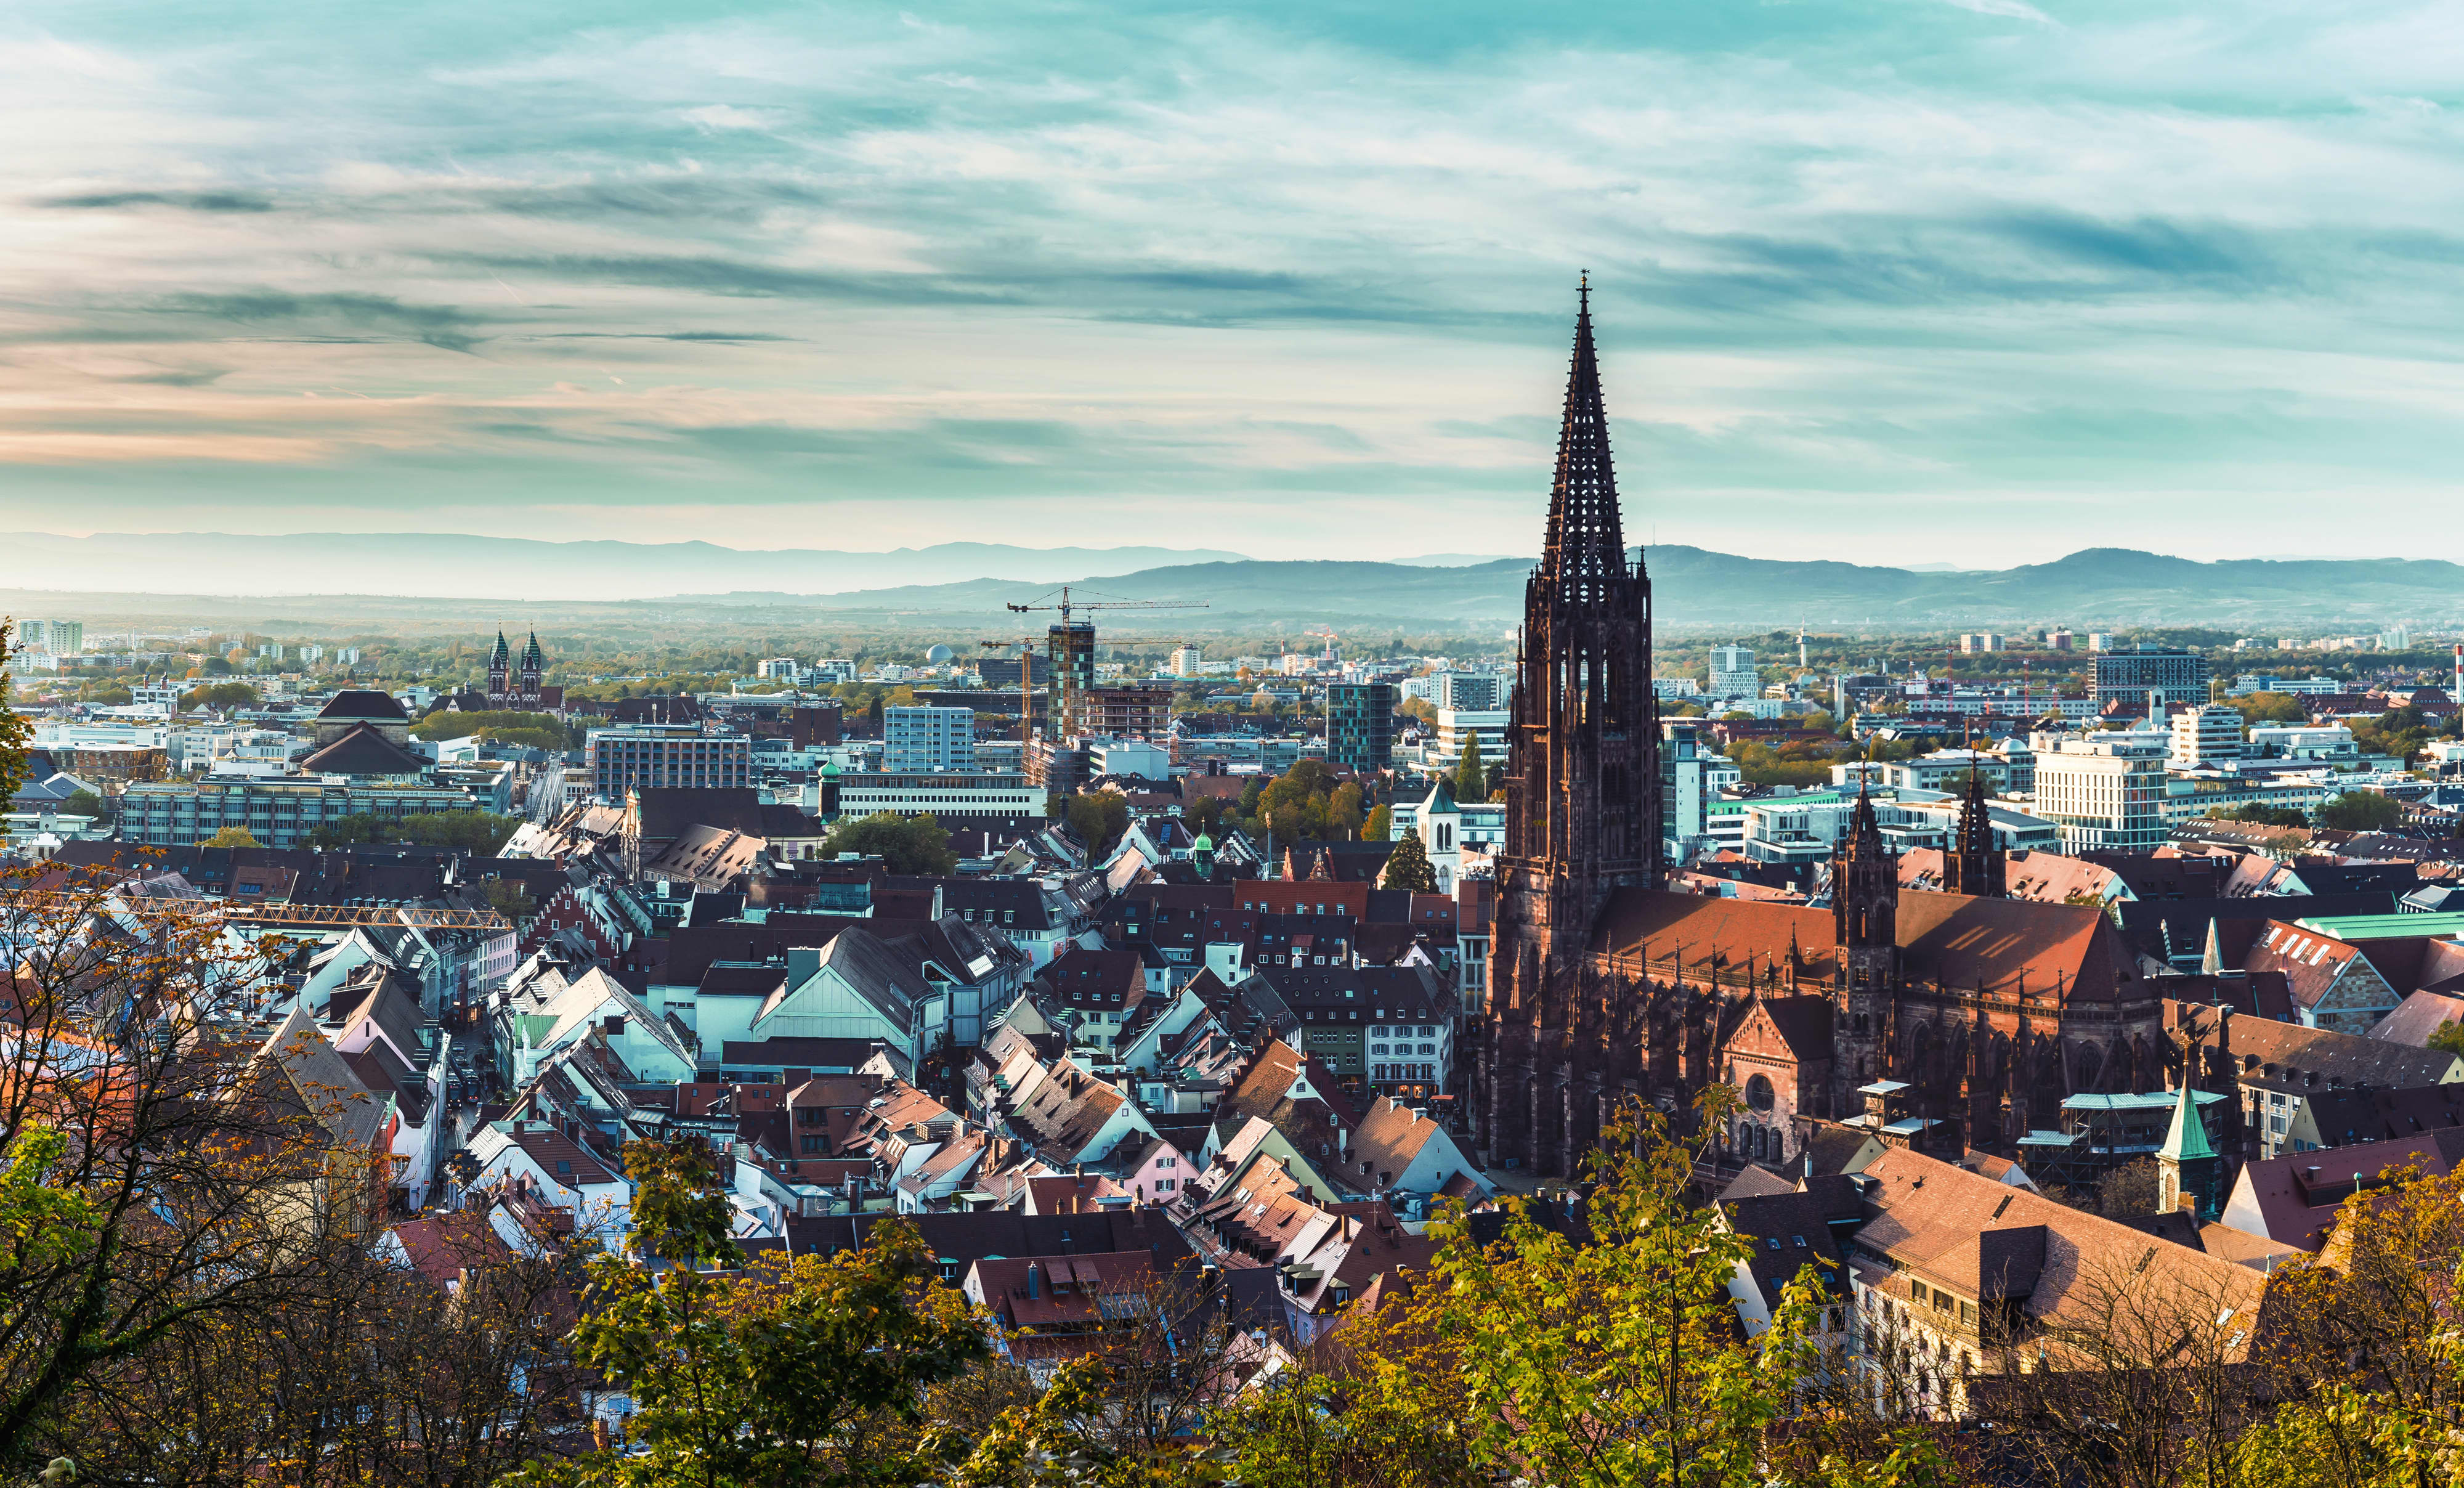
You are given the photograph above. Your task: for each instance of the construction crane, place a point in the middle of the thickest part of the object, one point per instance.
(103, 900)
(1070, 645)
(1025, 645)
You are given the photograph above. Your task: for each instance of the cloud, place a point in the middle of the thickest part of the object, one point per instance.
(2013, 9)
(183, 201)
(1308, 261)
(334, 317)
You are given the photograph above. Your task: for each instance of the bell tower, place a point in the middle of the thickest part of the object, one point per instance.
(501, 667)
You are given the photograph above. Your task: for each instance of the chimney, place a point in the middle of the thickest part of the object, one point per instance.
(1034, 1280)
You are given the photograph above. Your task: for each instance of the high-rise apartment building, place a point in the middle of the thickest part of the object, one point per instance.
(1188, 661)
(1732, 673)
(928, 738)
(2206, 735)
(51, 637)
(2144, 674)
(1360, 726)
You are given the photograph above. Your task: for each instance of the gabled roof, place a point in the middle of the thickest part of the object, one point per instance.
(564, 1160)
(1065, 1113)
(321, 1082)
(362, 749)
(2418, 1016)
(362, 702)
(575, 1007)
(1790, 1232)
(2295, 1199)
(885, 980)
(1955, 940)
(1989, 1241)
(2351, 1118)
(1387, 1141)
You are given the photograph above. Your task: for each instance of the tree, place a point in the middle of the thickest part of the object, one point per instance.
(1407, 867)
(2449, 1036)
(1619, 1363)
(153, 1182)
(85, 803)
(1471, 776)
(1380, 825)
(2272, 708)
(905, 844)
(1098, 817)
(2359, 811)
(745, 1376)
(220, 695)
(532, 730)
(2265, 816)
(481, 833)
(509, 898)
(16, 734)
(233, 836)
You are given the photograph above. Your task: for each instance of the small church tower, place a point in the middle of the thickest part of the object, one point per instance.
(2189, 1174)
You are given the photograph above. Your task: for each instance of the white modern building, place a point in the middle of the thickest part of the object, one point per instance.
(2106, 792)
(928, 738)
(1458, 725)
(2206, 735)
(942, 795)
(1732, 673)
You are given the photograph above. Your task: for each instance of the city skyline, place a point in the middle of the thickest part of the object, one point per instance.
(1891, 283)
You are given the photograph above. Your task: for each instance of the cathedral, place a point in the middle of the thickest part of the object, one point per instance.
(1944, 1021)
(521, 689)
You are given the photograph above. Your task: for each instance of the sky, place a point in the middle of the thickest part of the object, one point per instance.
(1975, 281)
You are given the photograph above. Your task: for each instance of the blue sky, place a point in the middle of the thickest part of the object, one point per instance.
(1969, 280)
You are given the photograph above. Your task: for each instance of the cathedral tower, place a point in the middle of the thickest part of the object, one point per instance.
(501, 666)
(1582, 783)
(1864, 910)
(534, 666)
(1974, 865)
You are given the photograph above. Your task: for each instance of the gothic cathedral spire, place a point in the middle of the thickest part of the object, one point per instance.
(1582, 783)
(1974, 865)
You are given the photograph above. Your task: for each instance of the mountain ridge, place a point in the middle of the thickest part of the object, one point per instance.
(1694, 588)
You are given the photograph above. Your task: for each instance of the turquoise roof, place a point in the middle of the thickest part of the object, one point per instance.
(2187, 1140)
(2383, 927)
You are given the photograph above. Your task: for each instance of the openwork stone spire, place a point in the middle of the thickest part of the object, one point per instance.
(1585, 553)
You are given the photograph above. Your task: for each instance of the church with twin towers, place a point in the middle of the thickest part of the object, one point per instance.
(1946, 1021)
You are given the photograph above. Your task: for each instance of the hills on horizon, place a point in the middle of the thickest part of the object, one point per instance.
(439, 575)
(454, 566)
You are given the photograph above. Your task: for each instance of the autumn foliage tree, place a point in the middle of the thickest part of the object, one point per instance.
(759, 1374)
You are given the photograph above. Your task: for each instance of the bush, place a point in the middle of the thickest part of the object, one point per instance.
(905, 844)
(479, 832)
(2360, 810)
